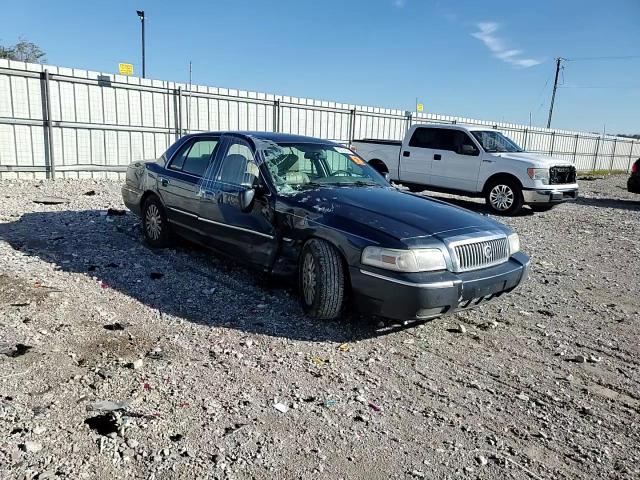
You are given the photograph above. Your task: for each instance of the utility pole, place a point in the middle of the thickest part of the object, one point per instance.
(555, 87)
(189, 104)
(141, 15)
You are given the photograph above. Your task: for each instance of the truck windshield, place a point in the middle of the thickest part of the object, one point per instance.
(295, 166)
(493, 142)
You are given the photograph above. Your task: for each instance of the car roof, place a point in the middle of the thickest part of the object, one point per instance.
(271, 136)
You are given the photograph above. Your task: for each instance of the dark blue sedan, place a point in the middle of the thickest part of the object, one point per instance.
(311, 208)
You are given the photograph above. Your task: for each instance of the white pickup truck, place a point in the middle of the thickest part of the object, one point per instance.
(475, 161)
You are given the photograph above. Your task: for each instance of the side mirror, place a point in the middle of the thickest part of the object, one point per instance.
(246, 198)
(467, 150)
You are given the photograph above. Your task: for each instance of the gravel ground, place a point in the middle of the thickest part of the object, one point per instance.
(117, 361)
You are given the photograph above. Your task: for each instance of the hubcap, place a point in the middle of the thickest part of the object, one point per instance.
(153, 222)
(309, 278)
(501, 197)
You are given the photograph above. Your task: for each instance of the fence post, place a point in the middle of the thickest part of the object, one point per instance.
(179, 121)
(613, 154)
(630, 155)
(409, 122)
(50, 164)
(176, 112)
(526, 138)
(553, 142)
(575, 149)
(352, 124)
(595, 157)
(276, 115)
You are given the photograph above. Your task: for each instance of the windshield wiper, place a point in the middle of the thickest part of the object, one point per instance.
(300, 186)
(357, 183)
(364, 183)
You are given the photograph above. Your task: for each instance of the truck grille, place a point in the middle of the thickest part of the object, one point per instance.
(476, 255)
(562, 175)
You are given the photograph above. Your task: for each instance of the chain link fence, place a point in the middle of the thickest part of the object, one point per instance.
(63, 122)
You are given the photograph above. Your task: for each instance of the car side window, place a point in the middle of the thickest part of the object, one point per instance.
(238, 167)
(423, 138)
(464, 144)
(178, 159)
(446, 139)
(197, 160)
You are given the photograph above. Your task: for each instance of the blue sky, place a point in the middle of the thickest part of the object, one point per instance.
(482, 59)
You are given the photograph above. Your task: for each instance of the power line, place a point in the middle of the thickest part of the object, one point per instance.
(619, 57)
(625, 87)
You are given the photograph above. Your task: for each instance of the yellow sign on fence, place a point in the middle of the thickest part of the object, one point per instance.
(125, 68)
(419, 107)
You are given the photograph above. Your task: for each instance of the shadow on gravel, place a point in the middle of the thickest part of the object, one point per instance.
(599, 202)
(188, 282)
(476, 207)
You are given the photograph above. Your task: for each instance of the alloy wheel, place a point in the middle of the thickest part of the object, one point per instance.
(153, 222)
(309, 278)
(501, 197)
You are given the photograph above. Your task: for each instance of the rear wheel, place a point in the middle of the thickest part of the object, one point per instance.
(155, 226)
(504, 196)
(322, 280)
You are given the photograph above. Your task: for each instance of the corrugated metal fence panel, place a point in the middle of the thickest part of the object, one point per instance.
(102, 122)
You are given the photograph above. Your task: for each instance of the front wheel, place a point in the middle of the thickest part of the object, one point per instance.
(322, 280)
(504, 196)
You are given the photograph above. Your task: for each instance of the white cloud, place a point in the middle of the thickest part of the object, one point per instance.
(486, 34)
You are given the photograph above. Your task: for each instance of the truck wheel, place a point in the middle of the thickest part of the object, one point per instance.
(504, 196)
(155, 226)
(322, 280)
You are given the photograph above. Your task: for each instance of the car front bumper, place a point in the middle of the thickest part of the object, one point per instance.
(549, 195)
(420, 296)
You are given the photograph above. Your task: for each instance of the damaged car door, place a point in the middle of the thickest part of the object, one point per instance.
(178, 184)
(236, 208)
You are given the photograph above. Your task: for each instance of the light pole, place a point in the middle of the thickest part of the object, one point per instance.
(141, 15)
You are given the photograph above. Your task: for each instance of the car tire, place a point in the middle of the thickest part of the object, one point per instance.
(504, 196)
(322, 280)
(541, 208)
(155, 226)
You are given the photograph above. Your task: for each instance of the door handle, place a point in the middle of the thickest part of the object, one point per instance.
(406, 153)
(488, 161)
(437, 156)
(164, 182)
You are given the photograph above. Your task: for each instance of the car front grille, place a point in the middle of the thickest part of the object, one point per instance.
(562, 175)
(476, 255)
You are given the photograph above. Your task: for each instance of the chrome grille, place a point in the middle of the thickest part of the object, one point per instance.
(476, 255)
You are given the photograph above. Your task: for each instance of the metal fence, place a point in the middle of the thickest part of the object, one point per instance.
(62, 122)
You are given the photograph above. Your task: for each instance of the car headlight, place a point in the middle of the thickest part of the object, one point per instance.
(541, 174)
(514, 243)
(416, 260)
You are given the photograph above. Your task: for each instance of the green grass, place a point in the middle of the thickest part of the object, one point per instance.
(600, 173)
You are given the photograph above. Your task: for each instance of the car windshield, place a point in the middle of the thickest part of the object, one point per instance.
(296, 166)
(493, 141)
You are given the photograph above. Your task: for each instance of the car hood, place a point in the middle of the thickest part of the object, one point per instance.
(536, 159)
(390, 211)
